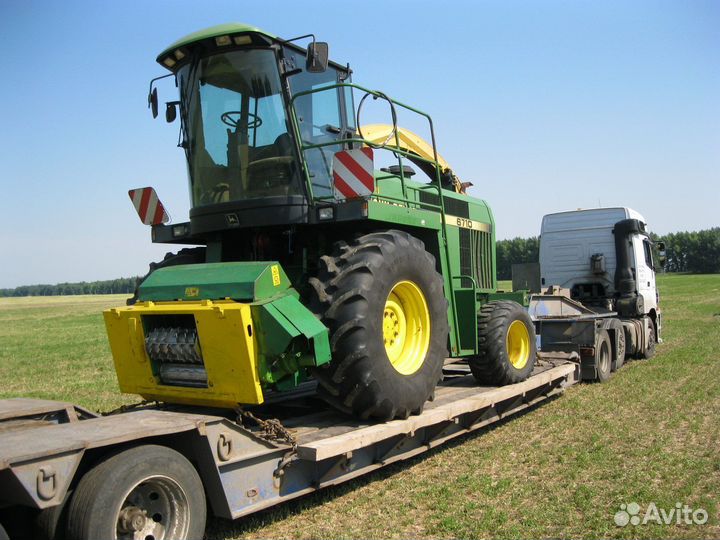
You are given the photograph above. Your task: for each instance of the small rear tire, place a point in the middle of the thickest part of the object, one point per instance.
(506, 344)
(603, 356)
(145, 492)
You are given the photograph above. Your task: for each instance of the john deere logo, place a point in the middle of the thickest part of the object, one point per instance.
(192, 292)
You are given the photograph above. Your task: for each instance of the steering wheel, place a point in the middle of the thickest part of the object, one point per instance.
(228, 118)
(270, 162)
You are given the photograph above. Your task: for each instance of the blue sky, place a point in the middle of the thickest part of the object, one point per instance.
(544, 105)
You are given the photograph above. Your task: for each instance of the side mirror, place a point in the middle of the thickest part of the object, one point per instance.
(171, 111)
(153, 102)
(317, 57)
(662, 256)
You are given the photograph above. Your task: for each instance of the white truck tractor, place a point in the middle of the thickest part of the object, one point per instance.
(597, 295)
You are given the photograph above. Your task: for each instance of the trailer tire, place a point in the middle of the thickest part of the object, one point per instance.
(371, 293)
(148, 490)
(603, 356)
(184, 256)
(617, 327)
(649, 351)
(506, 344)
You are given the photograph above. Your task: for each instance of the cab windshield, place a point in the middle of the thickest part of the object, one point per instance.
(236, 128)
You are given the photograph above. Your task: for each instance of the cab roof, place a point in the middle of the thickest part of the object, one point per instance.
(213, 31)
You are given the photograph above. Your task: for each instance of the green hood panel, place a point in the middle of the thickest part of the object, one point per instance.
(241, 281)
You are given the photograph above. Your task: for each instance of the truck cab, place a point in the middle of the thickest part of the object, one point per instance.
(604, 256)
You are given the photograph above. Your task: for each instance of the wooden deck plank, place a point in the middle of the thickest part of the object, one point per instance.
(350, 436)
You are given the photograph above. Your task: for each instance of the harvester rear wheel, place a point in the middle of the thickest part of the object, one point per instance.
(506, 344)
(184, 256)
(382, 299)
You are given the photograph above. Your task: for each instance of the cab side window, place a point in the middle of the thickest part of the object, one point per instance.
(648, 253)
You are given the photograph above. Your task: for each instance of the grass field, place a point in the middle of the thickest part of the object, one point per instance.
(650, 435)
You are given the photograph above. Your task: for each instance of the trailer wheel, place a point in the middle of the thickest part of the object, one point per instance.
(184, 256)
(383, 301)
(649, 351)
(603, 356)
(619, 330)
(3, 534)
(506, 344)
(149, 492)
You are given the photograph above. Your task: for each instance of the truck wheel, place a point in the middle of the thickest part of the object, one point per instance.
(184, 256)
(603, 356)
(649, 351)
(506, 344)
(617, 327)
(149, 492)
(383, 302)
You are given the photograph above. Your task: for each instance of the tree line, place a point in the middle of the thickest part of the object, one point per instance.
(696, 252)
(110, 286)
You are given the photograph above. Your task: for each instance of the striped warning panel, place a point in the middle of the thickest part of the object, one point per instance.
(353, 173)
(148, 206)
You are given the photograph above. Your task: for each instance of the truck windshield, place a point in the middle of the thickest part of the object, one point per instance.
(236, 128)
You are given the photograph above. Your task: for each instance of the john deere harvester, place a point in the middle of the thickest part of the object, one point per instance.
(314, 263)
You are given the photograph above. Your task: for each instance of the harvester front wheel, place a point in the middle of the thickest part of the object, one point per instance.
(383, 301)
(506, 344)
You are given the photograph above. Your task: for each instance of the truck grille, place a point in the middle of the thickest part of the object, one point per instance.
(172, 344)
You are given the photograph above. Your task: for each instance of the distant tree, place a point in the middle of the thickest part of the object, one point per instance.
(514, 251)
(696, 252)
(111, 286)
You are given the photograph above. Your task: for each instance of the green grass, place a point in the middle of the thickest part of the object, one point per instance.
(651, 434)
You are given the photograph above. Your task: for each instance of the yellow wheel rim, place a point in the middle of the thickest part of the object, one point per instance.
(406, 327)
(517, 343)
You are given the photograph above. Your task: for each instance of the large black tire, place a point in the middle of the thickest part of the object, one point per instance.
(603, 356)
(184, 256)
(504, 357)
(110, 499)
(619, 350)
(649, 351)
(350, 294)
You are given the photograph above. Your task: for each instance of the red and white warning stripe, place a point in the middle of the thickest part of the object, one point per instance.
(353, 173)
(148, 206)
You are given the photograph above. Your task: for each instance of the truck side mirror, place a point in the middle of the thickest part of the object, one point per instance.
(662, 256)
(317, 57)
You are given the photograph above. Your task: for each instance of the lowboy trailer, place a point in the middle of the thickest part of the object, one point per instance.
(166, 461)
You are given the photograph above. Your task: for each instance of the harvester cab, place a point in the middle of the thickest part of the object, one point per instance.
(313, 263)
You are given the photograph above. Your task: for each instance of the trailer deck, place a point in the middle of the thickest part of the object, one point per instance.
(275, 453)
